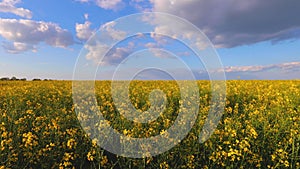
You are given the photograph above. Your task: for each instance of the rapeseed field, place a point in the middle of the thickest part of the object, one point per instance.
(260, 127)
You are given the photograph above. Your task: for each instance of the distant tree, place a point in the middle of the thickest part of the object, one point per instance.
(36, 79)
(23, 79)
(4, 79)
(13, 78)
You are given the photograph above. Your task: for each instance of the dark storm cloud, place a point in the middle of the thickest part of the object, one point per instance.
(230, 23)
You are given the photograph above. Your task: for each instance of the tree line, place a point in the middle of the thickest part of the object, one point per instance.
(21, 79)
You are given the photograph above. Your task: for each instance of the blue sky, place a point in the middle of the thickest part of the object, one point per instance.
(254, 40)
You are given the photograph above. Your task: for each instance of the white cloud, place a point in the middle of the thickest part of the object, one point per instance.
(86, 16)
(290, 66)
(31, 33)
(82, 0)
(99, 45)
(160, 53)
(151, 45)
(289, 70)
(95, 51)
(137, 1)
(175, 28)
(106, 4)
(101, 54)
(111, 32)
(8, 6)
(109, 4)
(141, 5)
(17, 47)
(83, 31)
(117, 55)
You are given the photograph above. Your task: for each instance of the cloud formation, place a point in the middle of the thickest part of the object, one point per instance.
(97, 47)
(106, 4)
(287, 70)
(290, 66)
(110, 32)
(141, 5)
(83, 31)
(109, 4)
(17, 47)
(101, 54)
(26, 34)
(8, 6)
(233, 23)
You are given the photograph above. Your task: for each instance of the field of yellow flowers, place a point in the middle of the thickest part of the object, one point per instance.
(260, 127)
